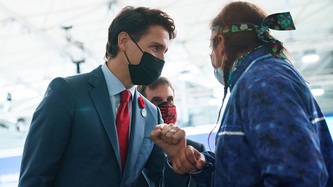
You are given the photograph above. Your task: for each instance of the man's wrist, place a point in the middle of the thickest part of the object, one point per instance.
(169, 163)
(170, 159)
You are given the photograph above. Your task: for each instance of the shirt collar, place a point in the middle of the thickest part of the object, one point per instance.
(113, 83)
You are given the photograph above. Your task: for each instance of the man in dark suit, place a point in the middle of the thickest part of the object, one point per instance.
(161, 93)
(73, 137)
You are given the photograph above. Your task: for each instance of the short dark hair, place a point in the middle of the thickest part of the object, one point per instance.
(136, 22)
(159, 81)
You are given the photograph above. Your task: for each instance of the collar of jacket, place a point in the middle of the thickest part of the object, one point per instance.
(242, 63)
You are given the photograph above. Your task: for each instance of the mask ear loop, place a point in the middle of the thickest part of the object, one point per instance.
(127, 58)
(135, 43)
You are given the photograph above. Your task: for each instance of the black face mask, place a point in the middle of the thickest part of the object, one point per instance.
(147, 71)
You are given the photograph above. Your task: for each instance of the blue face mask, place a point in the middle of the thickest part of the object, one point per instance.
(218, 72)
(147, 71)
(219, 75)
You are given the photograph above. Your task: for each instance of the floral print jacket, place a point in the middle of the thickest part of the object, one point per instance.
(272, 133)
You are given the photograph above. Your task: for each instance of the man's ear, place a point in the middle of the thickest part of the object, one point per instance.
(221, 44)
(123, 39)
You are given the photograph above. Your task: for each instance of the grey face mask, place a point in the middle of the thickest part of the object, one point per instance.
(219, 75)
(218, 72)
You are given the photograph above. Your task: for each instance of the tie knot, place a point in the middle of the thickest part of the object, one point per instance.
(125, 96)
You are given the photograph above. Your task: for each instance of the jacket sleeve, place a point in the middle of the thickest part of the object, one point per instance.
(158, 171)
(276, 117)
(205, 176)
(47, 136)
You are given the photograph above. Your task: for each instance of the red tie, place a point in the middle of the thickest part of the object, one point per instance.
(122, 122)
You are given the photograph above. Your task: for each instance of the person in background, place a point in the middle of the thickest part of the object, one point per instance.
(162, 94)
(94, 129)
(272, 132)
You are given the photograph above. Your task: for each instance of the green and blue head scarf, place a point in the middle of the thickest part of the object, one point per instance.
(278, 21)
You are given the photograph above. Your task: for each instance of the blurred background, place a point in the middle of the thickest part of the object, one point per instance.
(44, 39)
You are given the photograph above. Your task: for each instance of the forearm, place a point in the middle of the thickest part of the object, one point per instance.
(172, 178)
(205, 176)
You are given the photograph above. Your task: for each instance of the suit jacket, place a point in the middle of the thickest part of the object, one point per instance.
(201, 148)
(143, 180)
(72, 139)
(198, 146)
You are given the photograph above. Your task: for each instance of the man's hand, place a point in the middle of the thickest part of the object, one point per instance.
(172, 140)
(189, 160)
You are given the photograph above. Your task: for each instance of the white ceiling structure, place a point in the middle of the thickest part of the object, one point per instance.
(35, 47)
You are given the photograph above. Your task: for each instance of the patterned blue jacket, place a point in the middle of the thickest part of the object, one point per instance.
(272, 133)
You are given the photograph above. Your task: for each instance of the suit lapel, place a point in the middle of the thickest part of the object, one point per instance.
(101, 100)
(137, 135)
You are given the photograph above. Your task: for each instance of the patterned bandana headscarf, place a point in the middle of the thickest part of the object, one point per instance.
(279, 21)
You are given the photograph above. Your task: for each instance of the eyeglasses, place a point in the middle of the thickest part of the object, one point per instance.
(214, 41)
